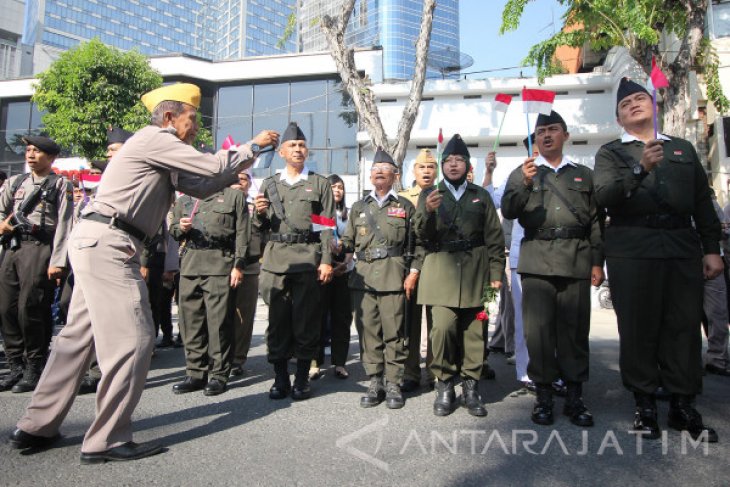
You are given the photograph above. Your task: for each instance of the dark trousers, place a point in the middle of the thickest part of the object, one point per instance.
(246, 296)
(457, 342)
(658, 304)
(413, 362)
(26, 296)
(294, 314)
(336, 320)
(556, 312)
(504, 330)
(206, 304)
(160, 296)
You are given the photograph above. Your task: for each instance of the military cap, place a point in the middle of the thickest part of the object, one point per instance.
(554, 117)
(43, 143)
(292, 132)
(456, 146)
(627, 87)
(182, 92)
(116, 135)
(425, 157)
(382, 156)
(99, 164)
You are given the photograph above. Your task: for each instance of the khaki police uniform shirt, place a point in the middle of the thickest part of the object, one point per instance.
(411, 194)
(394, 221)
(58, 217)
(679, 181)
(538, 206)
(139, 183)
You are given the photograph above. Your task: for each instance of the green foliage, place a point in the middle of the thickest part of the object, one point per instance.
(291, 26)
(90, 88)
(710, 64)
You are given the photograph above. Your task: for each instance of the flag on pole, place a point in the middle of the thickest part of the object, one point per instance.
(320, 223)
(228, 143)
(90, 181)
(537, 101)
(501, 102)
(658, 80)
(440, 145)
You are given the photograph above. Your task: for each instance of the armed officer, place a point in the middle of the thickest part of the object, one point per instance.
(36, 215)
(380, 233)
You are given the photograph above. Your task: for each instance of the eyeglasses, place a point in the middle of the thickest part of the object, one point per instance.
(384, 168)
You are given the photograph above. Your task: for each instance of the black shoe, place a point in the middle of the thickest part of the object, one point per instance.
(88, 385)
(282, 384)
(488, 372)
(714, 369)
(559, 388)
(215, 387)
(393, 396)
(301, 389)
(236, 370)
(21, 440)
(574, 407)
(684, 417)
(189, 384)
(177, 343)
(13, 377)
(375, 394)
(470, 397)
(409, 385)
(166, 342)
(30, 379)
(445, 402)
(122, 453)
(542, 412)
(645, 422)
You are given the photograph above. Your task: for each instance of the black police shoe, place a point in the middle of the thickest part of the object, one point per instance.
(470, 397)
(301, 390)
(409, 385)
(375, 394)
(684, 417)
(13, 377)
(236, 370)
(445, 402)
(88, 385)
(542, 412)
(189, 384)
(122, 453)
(574, 407)
(215, 387)
(21, 440)
(30, 379)
(645, 422)
(714, 369)
(282, 384)
(393, 396)
(166, 342)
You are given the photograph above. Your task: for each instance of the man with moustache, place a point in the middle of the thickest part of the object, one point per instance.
(661, 243)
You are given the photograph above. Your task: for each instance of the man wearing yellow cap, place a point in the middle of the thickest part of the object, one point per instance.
(110, 309)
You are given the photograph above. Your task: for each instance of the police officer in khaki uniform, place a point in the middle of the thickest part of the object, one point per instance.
(296, 259)
(110, 309)
(560, 257)
(36, 215)
(653, 188)
(459, 227)
(214, 234)
(424, 170)
(380, 233)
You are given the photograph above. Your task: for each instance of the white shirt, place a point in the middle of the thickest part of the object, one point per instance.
(457, 192)
(382, 201)
(541, 161)
(303, 176)
(627, 137)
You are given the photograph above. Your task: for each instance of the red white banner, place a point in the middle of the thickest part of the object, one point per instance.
(320, 223)
(90, 181)
(537, 101)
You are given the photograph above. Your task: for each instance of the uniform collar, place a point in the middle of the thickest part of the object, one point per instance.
(303, 176)
(627, 138)
(391, 194)
(541, 161)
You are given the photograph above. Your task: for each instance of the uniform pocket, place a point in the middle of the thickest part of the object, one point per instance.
(84, 243)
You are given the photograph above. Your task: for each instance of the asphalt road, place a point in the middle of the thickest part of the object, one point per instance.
(243, 438)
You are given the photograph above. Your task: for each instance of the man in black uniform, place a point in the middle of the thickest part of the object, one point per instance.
(560, 257)
(653, 187)
(36, 211)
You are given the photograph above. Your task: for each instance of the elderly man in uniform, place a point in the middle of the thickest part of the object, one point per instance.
(110, 309)
(296, 258)
(424, 171)
(380, 233)
(36, 215)
(653, 188)
(560, 257)
(459, 226)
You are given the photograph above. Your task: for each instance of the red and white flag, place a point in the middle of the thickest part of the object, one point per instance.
(90, 181)
(537, 101)
(320, 223)
(501, 102)
(657, 78)
(228, 143)
(440, 145)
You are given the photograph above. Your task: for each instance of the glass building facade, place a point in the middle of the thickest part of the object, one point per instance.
(253, 28)
(392, 24)
(18, 117)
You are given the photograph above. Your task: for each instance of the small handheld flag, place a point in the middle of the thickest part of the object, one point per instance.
(90, 181)
(228, 143)
(320, 223)
(439, 153)
(501, 104)
(537, 101)
(657, 80)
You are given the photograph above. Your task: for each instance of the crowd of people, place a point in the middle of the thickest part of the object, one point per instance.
(414, 270)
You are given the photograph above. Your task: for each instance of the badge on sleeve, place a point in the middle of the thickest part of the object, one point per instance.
(475, 200)
(578, 180)
(677, 152)
(397, 212)
(20, 194)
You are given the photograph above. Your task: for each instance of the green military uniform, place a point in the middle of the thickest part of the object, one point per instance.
(288, 279)
(413, 362)
(465, 249)
(380, 244)
(560, 246)
(216, 243)
(654, 260)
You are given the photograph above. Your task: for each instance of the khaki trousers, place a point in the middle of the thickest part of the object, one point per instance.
(110, 307)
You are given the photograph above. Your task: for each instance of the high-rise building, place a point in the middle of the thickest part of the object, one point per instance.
(392, 24)
(253, 28)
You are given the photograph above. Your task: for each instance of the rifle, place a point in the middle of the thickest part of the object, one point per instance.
(19, 220)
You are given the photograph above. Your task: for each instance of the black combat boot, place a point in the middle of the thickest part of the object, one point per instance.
(32, 374)
(301, 389)
(375, 394)
(574, 407)
(470, 397)
(393, 396)
(16, 373)
(282, 384)
(684, 417)
(645, 417)
(445, 402)
(542, 412)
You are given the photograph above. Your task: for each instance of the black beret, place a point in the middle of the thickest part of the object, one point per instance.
(292, 132)
(382, 156)
(627, 87)
(554, 117)
(99, 164)
(456, 146)
(116, 135)
(43, 143)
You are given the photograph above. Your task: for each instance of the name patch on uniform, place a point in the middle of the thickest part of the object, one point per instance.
(397, 212)
(308, 190)
(677, 152)
(221, 200)
(578, 180)
(20, 194)
(475, 200)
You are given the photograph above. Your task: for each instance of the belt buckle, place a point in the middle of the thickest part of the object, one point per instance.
(368, 255)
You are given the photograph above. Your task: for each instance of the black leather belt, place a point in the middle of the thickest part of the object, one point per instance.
(666, 221)
(377, 253)
(292, 238)
(206, 244)
(555, 233)
(34, 237)
(121, 225)
(456, 245)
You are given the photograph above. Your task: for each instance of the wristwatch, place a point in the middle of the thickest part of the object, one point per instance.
(639, 171)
